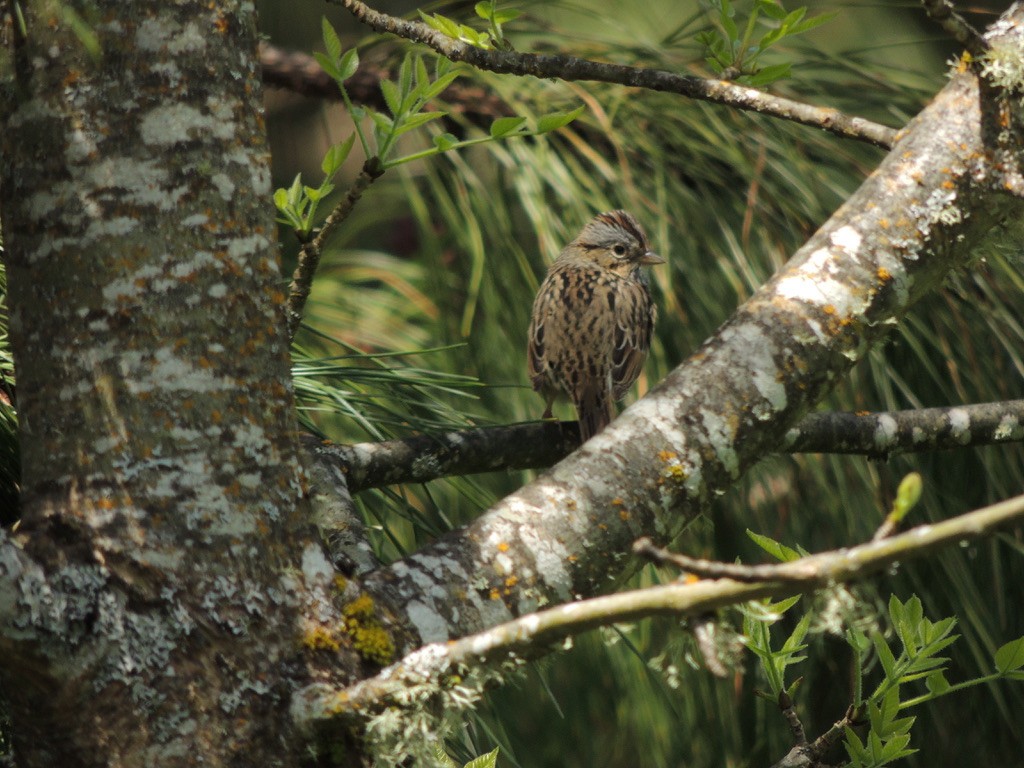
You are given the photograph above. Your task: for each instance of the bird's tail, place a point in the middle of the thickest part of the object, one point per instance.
(595, 410)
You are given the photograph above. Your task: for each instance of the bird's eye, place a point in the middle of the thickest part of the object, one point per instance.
(620, 250)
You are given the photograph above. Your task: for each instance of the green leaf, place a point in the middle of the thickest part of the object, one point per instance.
(885, 657)
(811, 23)
(504, 17)
(415, 121)
(442, 757)
(329, 66)
(771, 9)
(295, 190)
(422, 76)
(348, 65)
(438, 86)
(445, 141)
(725, 18)
(332, 44)
(391, 97)
(557, 120)
(503, 126)
(484, 9)
(794, 17)
(336, 156)
(484, 761)
(281, 199)
(793, 642)
(442, 24)
(405, 75)
(773, 548)
(1010, 657)
(768, 75)
(936, 683)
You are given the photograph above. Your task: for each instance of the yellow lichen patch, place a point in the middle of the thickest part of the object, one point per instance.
(369, 639)
(884, 274)
(320, 639)
(340, 582)
(829, 309)
(511, 581)
(372, 643)
(690, 578)
(668, 455)
(624, 515)
(360, 608)
(617, 502)
(494, 594)
(503, 546)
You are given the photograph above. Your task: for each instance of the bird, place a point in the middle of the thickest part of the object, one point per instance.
(592, 320)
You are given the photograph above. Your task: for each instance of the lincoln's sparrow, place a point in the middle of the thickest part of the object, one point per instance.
(592, 319)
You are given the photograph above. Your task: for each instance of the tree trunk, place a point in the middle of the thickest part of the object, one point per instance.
(152, 592)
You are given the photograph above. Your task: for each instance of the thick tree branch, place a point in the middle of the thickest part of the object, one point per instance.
(421, 458)
(537, 633)
(571, 68)
(931, 201)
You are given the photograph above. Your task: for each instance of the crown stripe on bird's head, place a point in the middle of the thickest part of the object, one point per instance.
(624, 220)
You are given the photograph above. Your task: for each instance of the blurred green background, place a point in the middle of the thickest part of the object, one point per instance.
(445, 255)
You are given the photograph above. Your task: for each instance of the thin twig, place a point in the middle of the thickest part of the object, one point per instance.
(534, 634)
(298, 72)
(943, 12)
(529, 446)
(881, 435)
(572, 68)
(309, 256)
(793, 719)
(716, 569)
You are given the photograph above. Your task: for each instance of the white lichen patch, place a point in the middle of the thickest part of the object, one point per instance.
(846, 238)
(1003, 65)
(171, 124)
(757, 351)
(1009, 428)
(812, 282)
(430, 625)
(886, 430)
(960, 425)
(721, 437)
(133, 181)
(654, 414)
(315, 567)
(550, 560)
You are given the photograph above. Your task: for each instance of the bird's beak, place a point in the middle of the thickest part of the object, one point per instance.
(651, 258)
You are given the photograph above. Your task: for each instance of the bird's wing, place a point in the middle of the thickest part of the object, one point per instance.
(635, 314)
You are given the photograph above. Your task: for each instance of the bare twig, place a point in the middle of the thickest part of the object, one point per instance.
(943, 12)
(572, 68)
(300, 73)
(793, 719)
(881, 435)
(534, 634)
(309, 256)
(716, 569)
(421, 458)
(529, 446)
